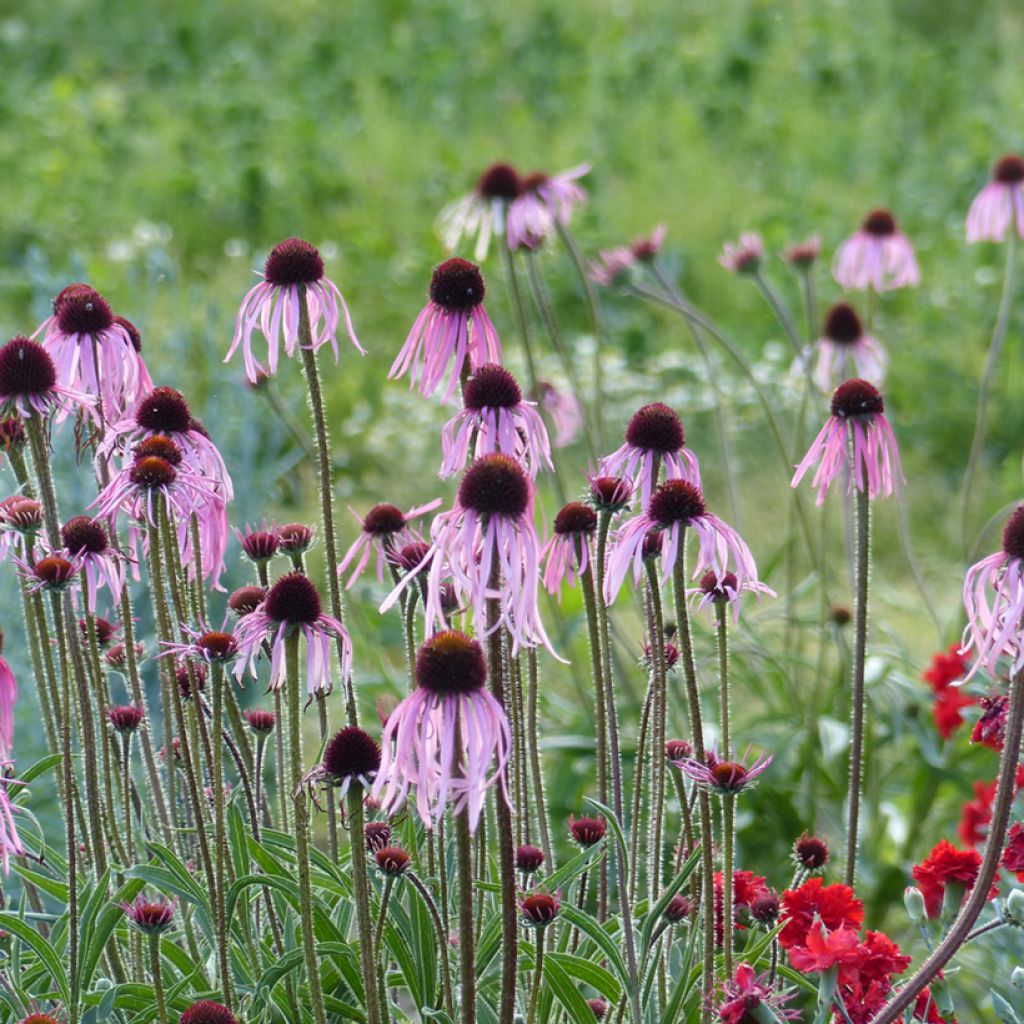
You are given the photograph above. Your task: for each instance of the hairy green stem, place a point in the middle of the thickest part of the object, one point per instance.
(361, 891)
(158, 983)
(467, 936)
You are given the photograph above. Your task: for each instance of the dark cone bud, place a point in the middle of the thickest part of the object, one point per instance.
(294, 538)
(678, 909)
(206, 1011)
(1009, 170)
(80, 309)
(457, 285)
(678, 750)
(160, 446)
(260, 545)
(598, 1007)
(217, 645)
(576, 518)
(293, 599)
(841, 615)
(151, 472)
(23, 514)
(880, 223)
(54, 571)
(718, 588)
(117, 656)
(164, 411)
(491, 387)
(152, 918)
(842, 325)
(529, 859)
(654, 541)
(587, 831)
(351, 753)
(104, 630)
(411, 555)
(656, 428)
(610, 493)
(499, 181)
(293, 261)
(451, 663)
(25, 369)
(856, 397)
(383, 520)
(495, 485)
(377, 835)
(246, 600)
(539, 908)
(764, 908)
(184, 675)
(125, 719)
(82, 534)
(811, 852)
(261, 722)
(392, 860)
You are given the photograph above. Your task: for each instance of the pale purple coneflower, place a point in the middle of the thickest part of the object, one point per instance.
(488, 537)
(743, 256)
(94, 352)
(563, 409)
(151, 917)
(674, 506)
(999, 206)
(611, 494)
(10, 841)
(480, 215)
(994, 602)
(452, 328)
(19, 517)
(611, 266)
(293, 272)
(104, 566)
(164, 412)
(857, 430)
(713, 590)
(567, 553)
(803, 254)
(495, 415)
(449, 739)
(877, 256)
(293, 603)
(28, 382)
(203, 645)
(351, 757)
(55, 571)
(385, 530)
(655, 439)
(544, 202)
(259, 542)
(725, 775)
(8, 697)
(844, 346)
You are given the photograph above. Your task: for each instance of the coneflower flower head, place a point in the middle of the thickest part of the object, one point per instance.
(539, 909)
(452, 328)
(377, 834)
(811, 852)
(877, 256)
(392, 861)
(125, 719)
(385, 529)
(654, 439)
(587, 831)
(351, 756)
(610, 494)
(87, 539)
(246, 599)
(744, 256)
(858, 422)
(529, 859)
(444, 737)
(999, 206)
(206, 1011)
(544, 202)
(567, 553)
(293, 603)
(294, 538)
(482, 213)
(727, 776)
(843, 346)
(678, 751)
(203, 645)
(674, 506)
(151, 917)
(994, 602)
(678, 909)
(28, 382)
(53, 572)
(259, 545)
(260, 721)
(803, 254)
(495, 414)
(93, 352)
(714, 590)
(8, 698)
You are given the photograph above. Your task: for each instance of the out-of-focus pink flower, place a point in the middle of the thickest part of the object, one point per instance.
(292, 274)
(482, 213)
(385, 529)
(714, 590)
(567, 553)
(877, 256)
(564, 410)
(744, 256)
(858, 411)
(544, 201)
(727, 776)
(999, 206)
(843, 346)
(803, 254)
(452, 328)
(8, 697)
(10, 841)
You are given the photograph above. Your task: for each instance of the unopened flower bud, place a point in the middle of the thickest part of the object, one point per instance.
(1015, 907)
(1017, 977)
(913, 900)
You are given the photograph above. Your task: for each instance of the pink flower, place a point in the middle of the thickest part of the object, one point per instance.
(10, 841)
(489, 546)
(544, 201)
(495, 415)
(150, 916)
(451, 328)
(611, 266)
(878, 256)
(999, 206)
(803, 254)
(843, 346)
(994, 602)
(293, 603)
(204, 645)
(654, 438)
(744, 256)
(28, 383)
(386, 531)
(744, 993)
(563, 408)
(87, 539)
(444, 738)
(293, 273)
(823, 950)
(51, 572)
(676, 505)
(727, 589)
(8, 697)
(483, 212)
(94, 352)
(857, 413)
(567, 553)
(724, 775)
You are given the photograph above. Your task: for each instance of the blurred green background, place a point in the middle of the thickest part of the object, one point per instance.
(159, 150)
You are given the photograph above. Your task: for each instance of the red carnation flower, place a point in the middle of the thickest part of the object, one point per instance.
(990, 729)
(976, 814)
(746, 887)
(824, 949)
(945, 668)
(944, 865)
(1013, 855)
(835, 905)
(881, 958)
(946, 711)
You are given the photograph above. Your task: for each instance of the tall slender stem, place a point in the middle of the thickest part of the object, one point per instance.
(659, 713)
(293, 706)
(442, 942)
(728, 829)
(863, 562)
(467, 936)
(361, 891)
(538, 974)
(722, 633)
(979, 898)
(217, 684)
(995, 348)
(158, 983)
(536, 769)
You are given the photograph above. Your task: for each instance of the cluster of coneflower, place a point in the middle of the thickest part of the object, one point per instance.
(442, 817)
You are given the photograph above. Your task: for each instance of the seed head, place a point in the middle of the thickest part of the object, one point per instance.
(151, 472)
(160, 446)
(134, 334)
(293, 599)
(451, 662)
(383, 520)
(1013, 533)
(293, 262)
(491, 387)
(25, 369)
(457, 285)
(856, 397)
(1009, 170)
(495, 485)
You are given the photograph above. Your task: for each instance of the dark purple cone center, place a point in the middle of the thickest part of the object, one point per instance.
(84, 534)
(383, 520)
(161, 446)
(1009, 170)
(451, 663)
(25, 368)
(656, 428)
(842, 325)
(351, 752)
(499, 181)
(495, 485)
(676, 501)
(576, 518)
(293, 261)
(153, 471)
(491, 387)
(457, 285)
(294, 599)
(856, 398)
(165, 411)
(82, 310)
(879, 222)
(1013, 534)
